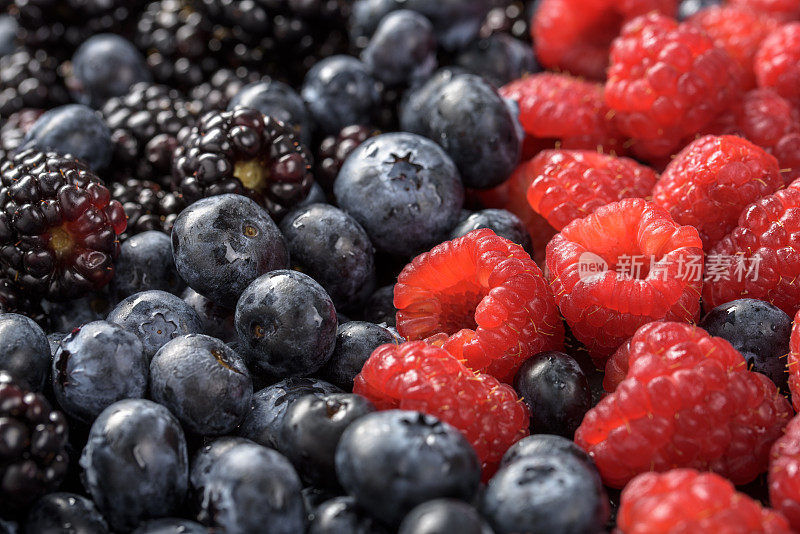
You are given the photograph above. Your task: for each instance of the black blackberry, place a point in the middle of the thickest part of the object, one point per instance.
(334, 149)
(217, 92)
(244, 152)
(33, 438)
(144, 126)
(14, 129)
(147, 205)
(58, 225)
(30, 79)
(513, 19)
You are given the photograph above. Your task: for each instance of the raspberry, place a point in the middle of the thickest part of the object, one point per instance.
(685, 500)
(712, 180)
(784, 485)
(666, 82)
(688, 400)
(574, 35)
(793, 362)
(623, 266)
(421, 377)
(739, 31)
(487, 295)
(557, 110)
(571, 184)
(777, 63)
(782, 9)
(760, 258)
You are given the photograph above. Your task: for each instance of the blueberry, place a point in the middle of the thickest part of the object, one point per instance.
(54, 340)
(224, 242)
(473, 124)
(135, 463)
(758, 330)
(393, 460)
(104, 66)
(203, 382)
(8, 35)
(688, 8)
(403, 189)
(287, 323)
(145, 262)
(264, 422)
(498, 59)
(59, 513)
(24, 350)
(502, 222)
(96, 366)
(355, 341)
(554, 387)
(68, 315)
(72, 129)
(424, 92)
(169, 525)
(339, 91)
(542, 445)
(279, 101)
(379, 308)
(443, 516)
(554, 493)
(217, 320)
(8, 527)
(252, 489)
(402, 50)
(342, 515)
(315, 196)
(155, 317)
(312, 428)
(331, 247)
(205, 460)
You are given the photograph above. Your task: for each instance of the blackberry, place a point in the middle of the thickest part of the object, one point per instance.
(513, 19)
(33, 438)
(334, 149)
(58, 225)
(147, 205)
(14, 129)
(222, 86)
(30, 79)
(144, 127)
(243, 152)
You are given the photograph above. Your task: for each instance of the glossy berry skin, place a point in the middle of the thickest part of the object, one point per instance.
(135, 464)
(171, 526)
(287, 323)
(484, 299)
(393, 460)
(688, 8)
(55, 511)
(312, 428)
(332, 248)
(544, 445)
(97, 365)
(443, 515)
(499, 59)
(214, 397)
(793, 361)
(784, 492)
(557, 392)
(469, 119)
(355, 341)
(403, 189)
(501, 222)
(758, 330)
(145, 262)
(604, 307)
(277, 100)
(402, 50)
(148, 206)
(342, 515)
(334, 150)
(379, 308)
(685, 500)
(251, 486)
(29, 79)
(24, 350)
(776, 61)
(155, 317)
(205, 459)
(222, 243)
(664, 414)
(104, 66)
(217, 321)
(710, 182)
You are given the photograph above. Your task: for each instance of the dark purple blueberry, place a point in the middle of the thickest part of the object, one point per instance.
(501, 222)
(135, 464)
(8, 35)
(217, 321)
(279, 101)
(402, 51)
(380, 306)
(441, 516)
(342, 515)
(206, 458)
(355, 341)
(499, 59)
(287, 324)
(542, 445)
(687, 8)
(24, 350)
(170, 525)
(68, 315)
(145, 262)
(316, 195)
(59, 513)
(393, 460)
(203, 382)
(403, 189)
(332, 248)
(97, 365)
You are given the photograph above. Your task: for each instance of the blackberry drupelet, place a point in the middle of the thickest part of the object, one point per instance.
(243, 152)
(513, 19)
(33, 437)
(221, 87)
(30, 79)
(334, 149)
(58, 225)
(147, 205)
(13, 130)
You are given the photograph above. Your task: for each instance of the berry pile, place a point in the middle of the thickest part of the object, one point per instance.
(410, 266)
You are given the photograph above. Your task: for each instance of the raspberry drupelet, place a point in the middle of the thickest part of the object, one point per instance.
(784, 485)
(784, 10)
(777, 62)
(793, 362)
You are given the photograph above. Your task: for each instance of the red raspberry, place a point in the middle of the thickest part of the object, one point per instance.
(605, 283)
(571, 184)
(785, 10)
(421, 377)
(487, 295)
(784, 484)
(739, 31)
(574, 35)
(666, 82)
(685, 500)
(688, 400)
(793, 362)
(760, 258)
(616, 367)
(777, 63)
(557, 110)
(712, 180)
